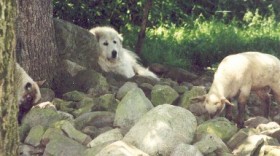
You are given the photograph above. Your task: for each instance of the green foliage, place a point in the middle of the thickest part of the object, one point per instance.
(204, 43)
(90, 13)
(119, 13)
(184, 33)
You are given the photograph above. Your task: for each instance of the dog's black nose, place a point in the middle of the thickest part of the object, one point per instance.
(114, 54)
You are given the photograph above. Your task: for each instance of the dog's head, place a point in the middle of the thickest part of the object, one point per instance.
(110, 42)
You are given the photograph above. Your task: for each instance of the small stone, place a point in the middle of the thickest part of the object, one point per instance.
(219, 126)
(163, 94)
(131, 108)
(125, 88)
(98, 119)
(58, 144)
(237, 139)
(186, 150)
(268, 126)
(47, 94)
(255, 121)
(71, 132)
(186, 98)
(120, 148)
(109, 136)
(162, 129)
(249, 145)
(210, 143)
(85, 105)
(106, 102)
(35, 135)
(74, 96)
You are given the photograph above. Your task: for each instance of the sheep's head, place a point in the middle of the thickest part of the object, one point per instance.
(28, 96)
(214, 104)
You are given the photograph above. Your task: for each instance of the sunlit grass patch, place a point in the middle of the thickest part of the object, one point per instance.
(203, 43)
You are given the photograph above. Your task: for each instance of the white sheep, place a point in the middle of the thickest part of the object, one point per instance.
(27, 91)
(239, 74)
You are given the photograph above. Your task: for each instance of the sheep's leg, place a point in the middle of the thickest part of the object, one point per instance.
(229, 112)
(276, 92)
(266, 100)
(241, 112)
(242, 101)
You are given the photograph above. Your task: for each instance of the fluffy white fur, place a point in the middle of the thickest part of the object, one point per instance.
(23, 89)
(237, 76)
(114, 58)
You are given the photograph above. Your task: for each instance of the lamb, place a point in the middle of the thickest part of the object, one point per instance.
(239, 74)
(27, 91)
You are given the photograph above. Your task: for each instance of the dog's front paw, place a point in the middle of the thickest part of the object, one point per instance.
(45, 105)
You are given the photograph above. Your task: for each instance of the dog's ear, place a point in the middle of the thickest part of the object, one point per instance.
(120, 37)
(97, 35)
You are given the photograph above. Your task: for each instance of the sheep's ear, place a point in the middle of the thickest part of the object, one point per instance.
(198, 98)
(224, 100)
(40, 83)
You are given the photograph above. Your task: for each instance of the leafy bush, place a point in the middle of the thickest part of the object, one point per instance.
(204, 43)
(119, 13)
(184, 33)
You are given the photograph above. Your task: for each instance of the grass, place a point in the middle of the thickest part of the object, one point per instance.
(204, 43)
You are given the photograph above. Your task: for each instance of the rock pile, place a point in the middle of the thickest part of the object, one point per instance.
(103, 114)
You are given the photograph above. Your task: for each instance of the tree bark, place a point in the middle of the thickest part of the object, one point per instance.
(36, 46)
(8, 105)
(141, 35)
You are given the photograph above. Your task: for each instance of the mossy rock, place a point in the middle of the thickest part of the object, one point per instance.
(163, 94)
(220, 127)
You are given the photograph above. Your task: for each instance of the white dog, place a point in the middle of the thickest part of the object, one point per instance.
(115, 58)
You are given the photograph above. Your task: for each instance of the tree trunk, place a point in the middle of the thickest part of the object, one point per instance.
(141, 35)
(8, 105)
(36, 47)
